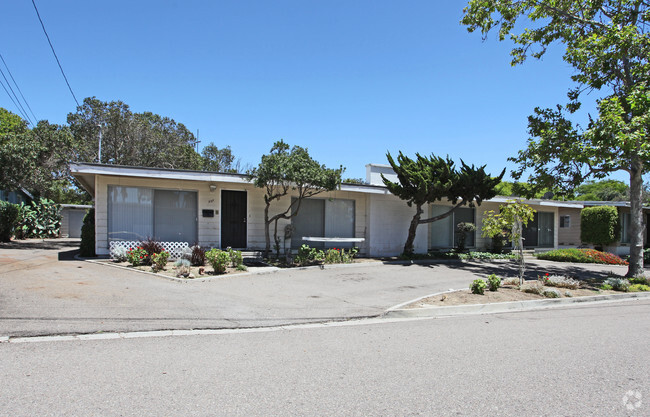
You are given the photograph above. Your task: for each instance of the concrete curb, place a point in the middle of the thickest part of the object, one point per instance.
(469, 309)
(262, 271)
(267, 270)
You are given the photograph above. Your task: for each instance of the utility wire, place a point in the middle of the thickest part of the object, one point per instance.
(52, 47)
(13, 101)
(23, 112)
(16, 84)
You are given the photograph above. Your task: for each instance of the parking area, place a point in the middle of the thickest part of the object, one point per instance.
(44, 290)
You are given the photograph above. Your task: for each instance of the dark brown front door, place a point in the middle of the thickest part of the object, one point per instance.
(233, 219)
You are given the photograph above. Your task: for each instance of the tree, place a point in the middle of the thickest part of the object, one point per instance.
(135, 139)
(425, 180)
(508, 224)
(218, 160)
(606, 190)
(284, 170)
(599, 225)
(37, 159)
(608, 44)
(354, 181)
(519, 189)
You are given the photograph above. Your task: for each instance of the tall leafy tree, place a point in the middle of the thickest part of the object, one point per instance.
(137, 139)
(37, 159)
(605, 190)
(290, 171)
(425, 180)
(218, 159)
(608, 44)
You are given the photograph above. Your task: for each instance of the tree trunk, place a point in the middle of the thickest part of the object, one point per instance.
(267, 233)
(636, 220)
(276, 240)
(415, 221)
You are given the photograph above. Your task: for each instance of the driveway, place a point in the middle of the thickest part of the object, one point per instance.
(43, 290)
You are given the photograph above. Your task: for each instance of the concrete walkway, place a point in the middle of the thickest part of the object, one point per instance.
(44, 291)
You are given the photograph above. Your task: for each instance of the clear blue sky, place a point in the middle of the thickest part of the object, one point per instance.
(350, 80)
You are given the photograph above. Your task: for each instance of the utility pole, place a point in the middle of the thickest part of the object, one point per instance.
(99, 154)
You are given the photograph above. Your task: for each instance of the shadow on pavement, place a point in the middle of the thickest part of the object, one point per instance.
(68, 255)
(45, 244)
(511, 269)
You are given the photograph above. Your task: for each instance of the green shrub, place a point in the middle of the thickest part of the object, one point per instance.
(182, 267)
(510, 281)
(307, 255)
(236, 258)
(639, 288)
(494, 282)
(618, 284)
(497, 244)
(8, 220)
(532, 289)
(486, 255)
(218, 259)
(241, 267)
(119, 254)
(333, 256)
(606, 287)
(40, 219)
(478, 286)
(639, 280)
(348, 256)
(87, 248)
(551, 293)
(159, 260)
(599, 225)
(137, 256)
(560, 281)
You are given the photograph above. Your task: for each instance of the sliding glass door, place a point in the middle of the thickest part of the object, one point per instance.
(137, 213)
(323, 218)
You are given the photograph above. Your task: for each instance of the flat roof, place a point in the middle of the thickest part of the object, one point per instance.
(85, 173)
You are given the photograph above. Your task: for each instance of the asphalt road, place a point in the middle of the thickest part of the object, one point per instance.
(44, 291)
(579, 361)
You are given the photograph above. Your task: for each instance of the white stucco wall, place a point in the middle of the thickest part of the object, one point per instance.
(388, 223)
(209, 229)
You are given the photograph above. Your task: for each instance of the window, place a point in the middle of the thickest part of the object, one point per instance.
(323, 218)
(136, 213)
(443, 233)
(625, 227)
(565, 221)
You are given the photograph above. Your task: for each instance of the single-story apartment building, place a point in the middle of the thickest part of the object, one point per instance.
(226, 210)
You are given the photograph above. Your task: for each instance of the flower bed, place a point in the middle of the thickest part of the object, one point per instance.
(581, 256)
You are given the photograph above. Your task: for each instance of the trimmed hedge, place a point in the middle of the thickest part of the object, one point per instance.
(599, 225)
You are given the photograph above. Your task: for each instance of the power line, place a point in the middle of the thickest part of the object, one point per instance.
(52, 47)
(13, 101)
(23, 112)
(16, 84)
